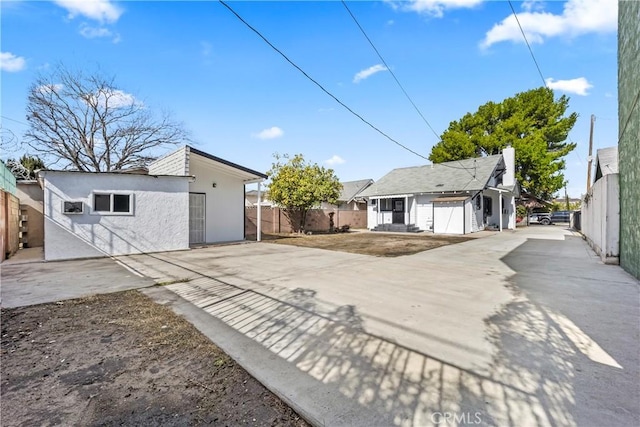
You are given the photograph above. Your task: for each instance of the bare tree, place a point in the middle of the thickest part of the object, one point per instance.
(8, 140)
(85, 122)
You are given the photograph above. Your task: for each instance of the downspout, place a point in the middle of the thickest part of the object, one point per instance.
(259, 217)
(500, 209)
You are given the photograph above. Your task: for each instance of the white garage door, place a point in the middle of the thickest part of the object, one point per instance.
(448, 218)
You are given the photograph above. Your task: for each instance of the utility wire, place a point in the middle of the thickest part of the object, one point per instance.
(14, 120)
(515, 15)
(389, 69)
(535, 61)
(318, 84)
(626, 122)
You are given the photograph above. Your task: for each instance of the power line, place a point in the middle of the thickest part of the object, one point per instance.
(389, 69)
(14, 120)
(318, 84)
(626, 122)
(515, 15)
(535, 61)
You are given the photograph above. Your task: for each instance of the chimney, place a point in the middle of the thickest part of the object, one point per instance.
(509, 156)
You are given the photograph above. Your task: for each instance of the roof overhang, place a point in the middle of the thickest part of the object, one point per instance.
(446, 199)
(247, 175)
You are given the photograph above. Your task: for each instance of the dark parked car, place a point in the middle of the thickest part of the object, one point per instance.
(546, 218)
(560, 216)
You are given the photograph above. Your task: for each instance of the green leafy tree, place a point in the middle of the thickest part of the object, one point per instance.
(297, 186)
(532, 122)
(25, 167)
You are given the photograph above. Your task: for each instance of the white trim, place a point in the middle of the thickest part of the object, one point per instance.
(111, 194)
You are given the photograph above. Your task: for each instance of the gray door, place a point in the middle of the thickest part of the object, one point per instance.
(196, 218)
(397, 217)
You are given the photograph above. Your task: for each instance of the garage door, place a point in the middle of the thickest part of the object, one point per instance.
(448, 218)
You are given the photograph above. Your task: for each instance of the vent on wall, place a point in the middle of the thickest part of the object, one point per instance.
(71, 208)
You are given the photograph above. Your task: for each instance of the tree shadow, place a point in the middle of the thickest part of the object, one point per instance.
(533, 379)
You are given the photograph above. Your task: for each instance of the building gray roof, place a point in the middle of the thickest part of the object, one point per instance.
(606, 162)
(462, 175)
(351, 189)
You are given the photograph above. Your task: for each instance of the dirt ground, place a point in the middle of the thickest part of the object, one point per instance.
(378, 244)
(121, 359)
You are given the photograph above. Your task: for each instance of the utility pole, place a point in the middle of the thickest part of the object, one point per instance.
(593, 119)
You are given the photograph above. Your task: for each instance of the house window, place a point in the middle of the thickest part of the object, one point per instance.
(70, 208)
(373, 202)
(112, 203)
(385, 205)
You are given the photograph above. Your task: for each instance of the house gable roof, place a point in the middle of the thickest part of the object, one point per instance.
(248, 173)
(462, 175)
(351, 189)
(606, 162)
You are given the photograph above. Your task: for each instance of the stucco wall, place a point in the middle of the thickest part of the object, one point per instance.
(172, 164)
(600, 219)
(160, 219)
(31, 198)
(224, 203)
(629, 123)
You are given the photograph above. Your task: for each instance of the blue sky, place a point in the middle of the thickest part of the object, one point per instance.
(242, 101)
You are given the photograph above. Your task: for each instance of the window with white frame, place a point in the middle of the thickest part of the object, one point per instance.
(113, 203)
(385, 205)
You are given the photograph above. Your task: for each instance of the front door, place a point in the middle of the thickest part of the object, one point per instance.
(398, 211)
(196, 218)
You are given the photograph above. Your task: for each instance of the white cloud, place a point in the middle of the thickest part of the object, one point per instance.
(579, 86)
(578, 17)
(115, 99)
(433, 8)
(269, 133)
(11, 63)
(361, 75)
(50, 88)
(90, 32)
(98, 10)
(335, 160)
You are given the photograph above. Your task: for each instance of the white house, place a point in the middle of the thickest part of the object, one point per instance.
(216, 193)
(101, 214)
(349, 198)
(600, 221)
(189, 197)
(457, 197)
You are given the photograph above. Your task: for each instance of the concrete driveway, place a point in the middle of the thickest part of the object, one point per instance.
(519, 328)
(28, 283)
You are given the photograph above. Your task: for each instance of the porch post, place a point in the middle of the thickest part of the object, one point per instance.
(407, 216)
(259, 218)
(500, 209)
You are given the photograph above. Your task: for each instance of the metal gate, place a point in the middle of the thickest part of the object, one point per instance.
(197, 218)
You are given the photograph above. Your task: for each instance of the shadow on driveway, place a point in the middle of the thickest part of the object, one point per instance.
(546, 369)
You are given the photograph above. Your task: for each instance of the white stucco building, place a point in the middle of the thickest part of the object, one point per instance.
(101, 214)
(188, 198)
(216, 193)
(457, 197)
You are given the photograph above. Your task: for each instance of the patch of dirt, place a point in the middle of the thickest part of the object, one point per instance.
(378, 244)
(121, 359)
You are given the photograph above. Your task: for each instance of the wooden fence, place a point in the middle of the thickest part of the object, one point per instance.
(9, 224)
(274, 220)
